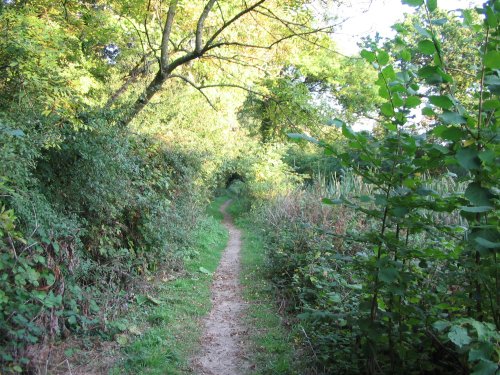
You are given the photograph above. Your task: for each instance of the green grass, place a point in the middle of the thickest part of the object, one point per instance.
(271, 346)
(213, 208)
(167, 333)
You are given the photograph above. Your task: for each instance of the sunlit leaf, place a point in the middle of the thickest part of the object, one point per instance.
(413, 101)
(387, 110)
(368, 55)
(492, 59)
(452, 118)
(431, 5)
(413, 3)
(382, 57)
(441, 101)
(426, 47)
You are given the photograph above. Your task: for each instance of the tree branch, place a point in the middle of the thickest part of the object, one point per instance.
(166, 36)
(198, 88)
(146, 28)
(229, 23)
(269, 46)
(131, 78)
(200, 24)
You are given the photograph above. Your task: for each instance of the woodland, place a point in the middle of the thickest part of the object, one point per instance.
(121, 120)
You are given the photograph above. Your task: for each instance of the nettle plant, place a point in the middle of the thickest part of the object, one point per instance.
(431, 291)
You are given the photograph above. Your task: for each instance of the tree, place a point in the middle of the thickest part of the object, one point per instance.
(214, 32)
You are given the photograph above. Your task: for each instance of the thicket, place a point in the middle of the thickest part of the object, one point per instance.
(397, 271)
(87, 206)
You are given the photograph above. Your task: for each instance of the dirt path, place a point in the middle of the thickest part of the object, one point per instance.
(223, 338)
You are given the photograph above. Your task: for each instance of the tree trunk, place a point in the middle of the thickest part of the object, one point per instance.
(145, 97)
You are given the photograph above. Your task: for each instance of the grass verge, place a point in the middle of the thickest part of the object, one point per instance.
(271, 343)
(161, 333)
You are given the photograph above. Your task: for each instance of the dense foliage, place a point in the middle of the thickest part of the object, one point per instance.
(403, 275)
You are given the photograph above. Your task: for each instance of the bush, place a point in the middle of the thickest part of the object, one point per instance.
(107, 206)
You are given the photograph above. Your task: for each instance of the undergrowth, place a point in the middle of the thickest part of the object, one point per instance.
(271, 346)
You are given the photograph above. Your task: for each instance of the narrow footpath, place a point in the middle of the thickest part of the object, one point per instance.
(223, 340)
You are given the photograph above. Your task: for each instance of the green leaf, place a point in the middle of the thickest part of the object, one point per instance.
(485, 367)
(52, 300)
(413, 3)
(384, 92)
(487, 156)
(422, 31)
(431, 5)
(348, 132)
(383, 57)
(467, 15)
(491, 104)
(389, 73)
(391, 126)
(441, 325)
(426, 47)
(388, 275)
(468, 158)
(406, 55)
(430, 74)
(397, 101)
(304, 137)
(449, 133)
(491, 17)
(478, 195)
(427, 111)
(452, 118)
(459, 336)
(386, 109)
(368, 55)
(483, 352)
(439, 22)
(441, 101)
(140, 299)
(492, 59)
(413, 101)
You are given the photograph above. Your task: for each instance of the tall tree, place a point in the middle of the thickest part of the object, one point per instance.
(229, 33)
